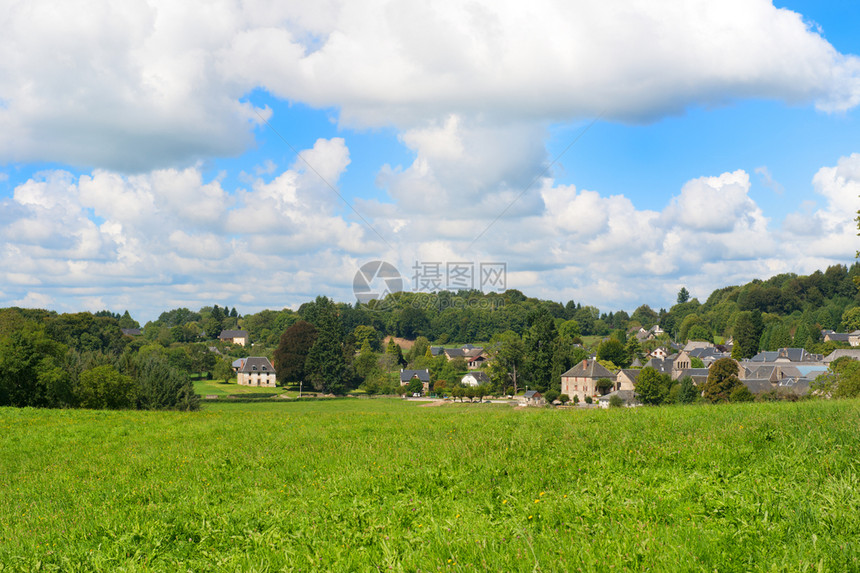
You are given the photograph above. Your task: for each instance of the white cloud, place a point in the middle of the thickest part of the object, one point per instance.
(34, 300)
(768, 180)
(152, 84)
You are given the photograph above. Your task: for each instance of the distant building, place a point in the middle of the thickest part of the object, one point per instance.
(581, 380)
(257, 371)
(475, 379)
(235, 336)
(407, 376)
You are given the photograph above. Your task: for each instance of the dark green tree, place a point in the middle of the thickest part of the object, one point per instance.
(325, 365)
(539, 344)
(688, 392)
(613, 351)
(162, 387)
(747, 334)
(683, 295)
(30, 372)
(507, 351)
(292, 352)
(722, 380)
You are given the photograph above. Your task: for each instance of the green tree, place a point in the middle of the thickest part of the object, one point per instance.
(507, 351)
(126, 321)
(539, 343)
(683, 295)
(651, 386)
(551, 395)
(699, 332)
(223, 370)
(615, 401)
(365, 334)
(851, 319)
(569, 330)
(325, 365)
(613, 351)
(747, 334)
(687, 391)
(29, 364)
(802, 338)
(104, 388)
(292, 352)
(162, 387)
(722, 380)
(415, 386)
(741, 394)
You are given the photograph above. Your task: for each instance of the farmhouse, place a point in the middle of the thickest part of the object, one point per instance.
(407, 376)
(852, 338)
(234, 336)
(534, 398)
(256, 371)
(581, 380)
(475, 379)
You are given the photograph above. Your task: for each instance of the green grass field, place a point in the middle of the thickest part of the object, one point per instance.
(367, 485)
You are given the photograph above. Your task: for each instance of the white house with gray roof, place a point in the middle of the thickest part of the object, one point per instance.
(257, 371)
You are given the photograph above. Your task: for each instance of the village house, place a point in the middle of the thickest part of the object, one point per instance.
(235, 336)
(852, 338)
(407, 376)
(582, 379)
(839, 353)
(672, 365)
(475, 379)
(256, 371)
(533, 398)
(626, 379)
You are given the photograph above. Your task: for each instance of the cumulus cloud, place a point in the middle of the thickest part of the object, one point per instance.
(170, 237)
(152, 84)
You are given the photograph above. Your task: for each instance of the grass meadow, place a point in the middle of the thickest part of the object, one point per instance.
(389, 485)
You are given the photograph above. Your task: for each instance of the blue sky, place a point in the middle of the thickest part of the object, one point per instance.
(608, 154)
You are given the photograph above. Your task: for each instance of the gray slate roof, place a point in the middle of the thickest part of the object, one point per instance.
(258, 364)
(422, 375)
(853, 353)
(481, 377)
(589, 369)
(233, 334)
(758, 386)
(661, 365)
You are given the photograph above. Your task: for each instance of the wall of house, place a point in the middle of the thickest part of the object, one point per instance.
(577, 386)
(264, 379)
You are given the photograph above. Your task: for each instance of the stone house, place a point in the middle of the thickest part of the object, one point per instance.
(626, 379)
(581, 380)
(257, 371)
(407, 376)
(235, 336)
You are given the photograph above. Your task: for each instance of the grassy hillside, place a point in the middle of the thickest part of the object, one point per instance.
(365, 484)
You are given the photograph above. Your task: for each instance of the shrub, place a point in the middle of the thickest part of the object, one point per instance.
(103, 387)
(588, 400)
(741, 394)
(564, 398)
(576, 399)
(551, 395)
(615, 401)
